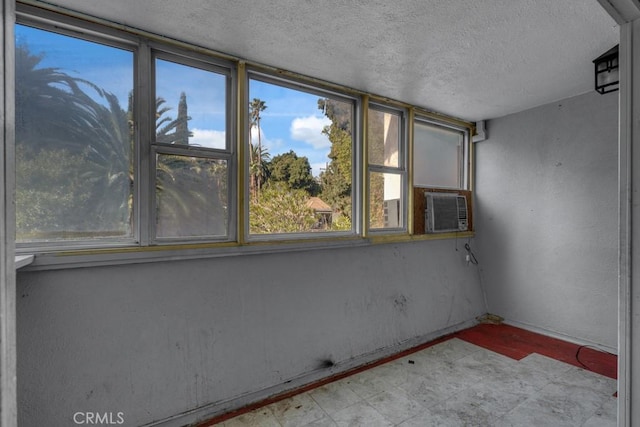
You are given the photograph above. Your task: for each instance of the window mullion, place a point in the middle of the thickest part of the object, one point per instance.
(409, 168)
(241, 189)
(145, 106)
(364, 156)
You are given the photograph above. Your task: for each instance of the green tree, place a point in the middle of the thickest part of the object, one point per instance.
(294, 171)
(336, 179)
(61, 124)
(191, 196)
(279, 209)
(191, 192)
(168, 129)
(259, 166)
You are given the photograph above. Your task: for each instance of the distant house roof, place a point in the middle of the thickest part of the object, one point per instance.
(318, 205)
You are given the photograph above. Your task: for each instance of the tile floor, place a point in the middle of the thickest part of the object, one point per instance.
(454, 383)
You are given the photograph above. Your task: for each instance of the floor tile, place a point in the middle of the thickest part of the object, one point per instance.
(544, 365)
(325, 421)
(360, 414)
(297, 411)
(438, 383)
(396, 405)
(453, 383)
(451, 350)
(605, 416)
(485, 400)
(426, 419)
(586, 379)
(262, 417)
(555, 404)
(366, 384)
(334, 396)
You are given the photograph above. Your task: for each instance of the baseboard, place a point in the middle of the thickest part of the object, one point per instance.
(559, 335)
(207, 412)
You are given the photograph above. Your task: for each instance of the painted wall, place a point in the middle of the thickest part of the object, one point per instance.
(155, 340)
(546, 217)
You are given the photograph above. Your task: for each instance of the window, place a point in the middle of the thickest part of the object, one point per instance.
(126, 140)
(74, 139)
(102, 160)
(386, 168)
(192, 151)
(440, 155)
(300, 157)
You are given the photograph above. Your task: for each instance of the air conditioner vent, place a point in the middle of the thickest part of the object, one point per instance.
(445, 212)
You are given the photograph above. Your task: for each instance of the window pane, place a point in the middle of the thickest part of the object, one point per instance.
(300, 161)
(385, 200)
(384, 138)
(190, 104)
(191, 196)
(74, 175)
(437, 156)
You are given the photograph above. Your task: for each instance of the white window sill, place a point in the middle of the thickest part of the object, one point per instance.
(23, 260)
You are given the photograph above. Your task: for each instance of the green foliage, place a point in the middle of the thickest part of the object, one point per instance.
(336, 180)
(376, 200)
(375, 134)
(191, 196)
(73, 155)
(169, 130)
(340, 223)
(294, 171)
(257, 167)
(74, 151)
(280, 209)
(54, 199)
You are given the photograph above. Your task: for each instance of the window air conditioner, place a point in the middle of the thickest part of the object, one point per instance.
(445, 212)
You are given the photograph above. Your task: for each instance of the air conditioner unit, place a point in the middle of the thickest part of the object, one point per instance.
(445, 212)
(391, 213)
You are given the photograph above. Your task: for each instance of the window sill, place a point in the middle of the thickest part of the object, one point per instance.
(138, 255)
(23, 260)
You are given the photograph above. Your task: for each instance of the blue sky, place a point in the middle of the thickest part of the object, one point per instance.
(291, 121)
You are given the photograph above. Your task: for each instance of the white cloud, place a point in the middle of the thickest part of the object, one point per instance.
(271, 145)
(208, 138)
(309, 130)
(317, 168)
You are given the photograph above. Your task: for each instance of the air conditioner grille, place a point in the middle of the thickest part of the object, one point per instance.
(446, 212)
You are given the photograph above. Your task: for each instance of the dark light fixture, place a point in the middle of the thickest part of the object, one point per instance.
(607, 71)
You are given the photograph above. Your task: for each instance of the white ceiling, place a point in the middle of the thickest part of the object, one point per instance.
(465, 58)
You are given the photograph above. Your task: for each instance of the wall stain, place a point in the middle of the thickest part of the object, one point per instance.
(400, 303)
(326, 363)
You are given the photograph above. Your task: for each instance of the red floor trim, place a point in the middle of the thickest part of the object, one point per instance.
(518, 343)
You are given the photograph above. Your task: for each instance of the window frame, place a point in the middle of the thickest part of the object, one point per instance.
(69, 27)
(156, 148)
(401, 169)
(464, 166)
(144, 53)
(143, 246)
(313, 88)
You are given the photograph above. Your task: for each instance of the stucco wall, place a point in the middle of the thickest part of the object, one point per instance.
(155, 340)
(546, 217)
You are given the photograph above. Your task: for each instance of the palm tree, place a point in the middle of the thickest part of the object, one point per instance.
(255, 108)
(169, 130)
(56, 115)
(258, 167)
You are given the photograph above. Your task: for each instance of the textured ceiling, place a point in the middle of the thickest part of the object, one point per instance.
(466, 58)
